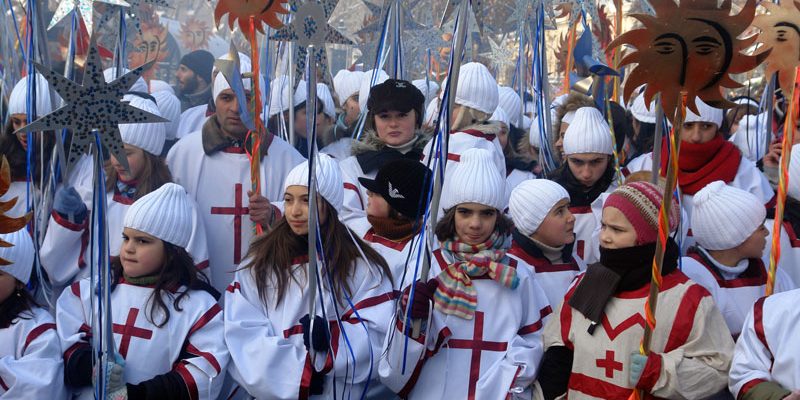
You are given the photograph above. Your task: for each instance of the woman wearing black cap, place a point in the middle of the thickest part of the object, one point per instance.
(392, 132)
(395, 206)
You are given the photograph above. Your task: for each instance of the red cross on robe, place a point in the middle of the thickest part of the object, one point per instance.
(237, 211)
(477, 345)
(130, 330)
(609, 364)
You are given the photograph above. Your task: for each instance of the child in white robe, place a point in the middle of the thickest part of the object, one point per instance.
(30, 352)
(278, 350)
(482, 340)
(167, 325)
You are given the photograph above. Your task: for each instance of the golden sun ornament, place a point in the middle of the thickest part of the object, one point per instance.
(780, 32)
(195, 34)
(8, 224)
(693, 48)
(264, 11)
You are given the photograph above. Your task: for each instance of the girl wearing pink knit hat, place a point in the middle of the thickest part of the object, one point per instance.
(592, 343)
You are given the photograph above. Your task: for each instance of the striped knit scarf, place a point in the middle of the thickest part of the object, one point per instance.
(455, 293)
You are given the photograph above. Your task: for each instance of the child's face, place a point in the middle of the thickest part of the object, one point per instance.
(351, 109)
(753, 247)
(8, 284)
(141, 254)
(557, 228)
(616, 232)
(475, 222)
(395, 128)
(295, 209)
(588, 168)
(136, 163)
(377, 205)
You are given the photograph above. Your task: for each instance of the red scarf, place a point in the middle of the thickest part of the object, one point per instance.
(701, 164)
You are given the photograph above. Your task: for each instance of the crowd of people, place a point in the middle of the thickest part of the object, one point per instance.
(538, 278)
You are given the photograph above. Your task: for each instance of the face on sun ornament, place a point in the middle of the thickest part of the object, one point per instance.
(780, 32)
(693, 48)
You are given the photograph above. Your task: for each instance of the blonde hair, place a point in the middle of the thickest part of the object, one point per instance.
(467, 116)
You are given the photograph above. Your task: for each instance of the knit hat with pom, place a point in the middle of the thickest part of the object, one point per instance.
(329, 180)
(149, 137)
(500, 116)
(429, 90)
(17, 102)
(641, 112)
(20, 254)
(588, 133)
(751, 136)
(640, 202)
(347, 83)
(170, 107)
(245, 66)
(165, 213)
(511, 103)
(475, 179)
(723, 216)
(477, 88)
(531, 201)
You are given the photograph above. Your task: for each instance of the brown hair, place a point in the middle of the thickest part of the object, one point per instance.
(734, 113)
(18, 156)
(272, 255)
(446, 227)
(154, 175)
(18, 306)
(178, 270)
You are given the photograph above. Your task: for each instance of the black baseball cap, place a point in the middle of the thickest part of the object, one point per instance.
(396, 95)
(402, 183)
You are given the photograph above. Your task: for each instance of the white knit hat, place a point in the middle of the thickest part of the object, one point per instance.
(531, 201)
(279, 96)
(149, 137)
(20, 255)
(160, 86)
(534, 134)
(170, 107)
(568, 117)
(475, 179)
(511, 103)
(588, 133)
(110, 75)
(245, 66)
(751, 136)
(347, 83)
(477, 88)
(165, 213)
(793, 188)
(324, 94)
(707, 113)
(363, 91)
(429, 92)
(19, 95)
(723, 216)
(329, 180)
(500, 116)
(300, 93)
(641, 112)
(746, 101)
(526, 122)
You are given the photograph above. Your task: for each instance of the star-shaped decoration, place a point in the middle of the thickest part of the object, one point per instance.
(230, 68)
(133, 12)
(577, 8)
(479, 11)
(85, 8)
(409, 24)
(522, 10)
(499, 56)
(95, 105)
(416, 47)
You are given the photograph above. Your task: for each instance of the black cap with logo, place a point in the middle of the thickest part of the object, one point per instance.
(403, 184)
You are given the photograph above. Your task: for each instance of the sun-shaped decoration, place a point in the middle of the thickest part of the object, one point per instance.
(195, 34)
(8, 224)
(561, 53)
(264, 11)
(693, 47)
(150, 46)
(780, 32)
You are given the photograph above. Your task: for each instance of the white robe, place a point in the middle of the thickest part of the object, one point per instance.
(401, 256)
(31, 366)
(218, 184)
(192, 121)
(269, 359)
(494, 355)
(355, 195)
(767, 348)
(554, 279)
(789, 262)
(748, 178)
(734, 294)
(468, 138)
(190, 343)
(339, 149)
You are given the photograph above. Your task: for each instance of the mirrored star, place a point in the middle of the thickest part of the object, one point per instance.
(85, 9)
(499, 56)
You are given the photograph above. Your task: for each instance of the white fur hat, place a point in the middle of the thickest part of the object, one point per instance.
(707, 113)
(429, 92)
(477, 88)
(165, 213)
(160, 86)
(793, 188)
(641, 112)
(723, 216)
(475, 179)
(19, 95)
(347, 83)
(149, 137)
(511, 103)
(110, 75)
(20, 254)
(751, 136)
(324, 94)
(170, 108)
(588, 133)
(366, 85)
(329, 180)
(531, 201)
(245, 66)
